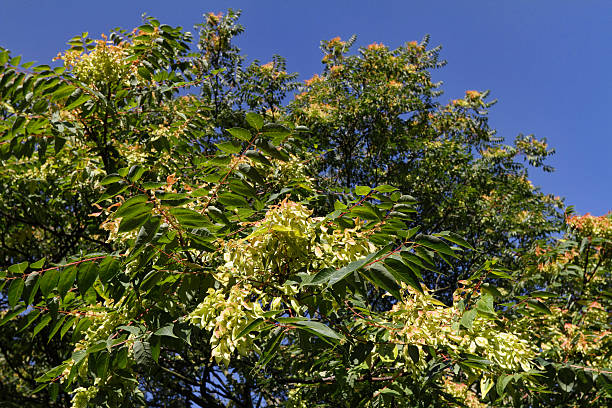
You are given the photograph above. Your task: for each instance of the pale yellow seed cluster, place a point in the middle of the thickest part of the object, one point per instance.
(462, 393)
(224, 317)
(82, 396)
(286, 241)
(105, 64)
(425, 323)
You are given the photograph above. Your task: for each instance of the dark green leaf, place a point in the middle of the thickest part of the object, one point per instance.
(319, 329)
(249, 327)
(271, 349)
(66, 280)
(404, 273)
(14, 291)
(42, 324)
(48, 281)
(189, 219)
(381, 277)
(10, 315)
(142, 354)
(413, 352)
(341, 273)
(86, 276)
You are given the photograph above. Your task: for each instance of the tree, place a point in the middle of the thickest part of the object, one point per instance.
(172, 240)
(377, 118)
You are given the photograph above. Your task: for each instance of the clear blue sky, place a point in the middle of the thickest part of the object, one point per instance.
(547, 61)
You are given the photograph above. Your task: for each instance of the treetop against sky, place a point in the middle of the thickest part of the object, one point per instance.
(545, 61)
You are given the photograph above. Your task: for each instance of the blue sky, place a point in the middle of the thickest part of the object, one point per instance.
(548, 62)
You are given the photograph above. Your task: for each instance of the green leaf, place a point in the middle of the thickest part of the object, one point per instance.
(413, 352)
(147, 231)
(52, 373)
(321, 277)
(365, 212)
(491, 290)
(122, 357)
(10, 315)
(405, 198)
(67, 326)
(166, 331)
(142, 354)
(566, 379)
(56, 328)
(404, 273)
(66, 280)
(454, 238)
(467, 320)
(381, 277)
(31, 287)
(14, 291)
(29, 319)
(411, 258)
(114, 189)
(485, 305)
(62, 92)
(543, 294)
(19, 268)
(78, 356)
(38, 264)
(385, 188)
(268, 148)
(86, 276)
(48, 281)
(436, 244)
(230, 147)
(276, 132)
(341, 273)
(42, 324)
(255, 120)
(15, 61)
(111, 178)
(240, 133)
(251, 173)
(144, 72)
(249, 327)
(319, 329)
(146, 28)
(257, 157)
(108, 268)
(243, 188)
(135, 173)
(136, 218)
(232, 200)
(538, 306)
(78, 102)
(502, 382)
(130, 205)
(362, 190)
(189, 219)
(271, 349)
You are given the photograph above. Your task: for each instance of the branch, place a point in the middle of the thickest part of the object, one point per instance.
(332, 379)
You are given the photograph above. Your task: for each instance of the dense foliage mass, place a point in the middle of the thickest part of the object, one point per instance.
(174, 234)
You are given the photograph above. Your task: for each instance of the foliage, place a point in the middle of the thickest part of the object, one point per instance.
(377, 117)
(165, 247)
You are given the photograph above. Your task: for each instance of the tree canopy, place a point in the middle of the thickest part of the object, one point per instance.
(179, 228)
